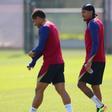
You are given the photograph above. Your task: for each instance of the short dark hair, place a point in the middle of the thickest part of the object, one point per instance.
(89, 7)
(38, 13)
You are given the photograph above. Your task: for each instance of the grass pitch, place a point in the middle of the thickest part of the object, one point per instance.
(17, 84)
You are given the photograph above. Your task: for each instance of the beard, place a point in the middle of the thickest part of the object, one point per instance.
(84, 19)
(38, 25)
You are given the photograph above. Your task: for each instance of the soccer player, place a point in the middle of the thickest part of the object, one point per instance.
(93, 68)
(52, 70)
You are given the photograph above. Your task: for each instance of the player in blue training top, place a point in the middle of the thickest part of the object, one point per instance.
(93, 68)
(52, 70)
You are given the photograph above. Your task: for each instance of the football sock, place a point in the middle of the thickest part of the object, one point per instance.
(68, 107)
(33, 109)
(97, 101)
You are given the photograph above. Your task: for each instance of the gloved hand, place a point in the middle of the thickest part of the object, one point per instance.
(31, 64)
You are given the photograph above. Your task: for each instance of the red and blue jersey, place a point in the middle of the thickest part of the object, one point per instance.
(94, 40)
(49, 45)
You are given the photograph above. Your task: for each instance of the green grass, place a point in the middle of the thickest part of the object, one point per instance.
(17, 84)
(68, 36)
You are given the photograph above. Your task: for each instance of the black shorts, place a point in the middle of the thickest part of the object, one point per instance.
(54, 74)
(97, 76)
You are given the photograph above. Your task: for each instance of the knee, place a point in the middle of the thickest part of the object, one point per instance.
(61, 91)
(38, 91)
(80, 85)
(64, 95)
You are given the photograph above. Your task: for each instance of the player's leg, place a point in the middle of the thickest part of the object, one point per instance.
(59, 83)
(42, 83)
(98, 73)
(83, 77)
(92, 80)
(88, 92)
(97, 91)
(85, 89)
(60, 88)
(39, 93)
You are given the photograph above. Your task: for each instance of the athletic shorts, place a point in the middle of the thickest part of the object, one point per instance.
(94, 78)
(53, 73)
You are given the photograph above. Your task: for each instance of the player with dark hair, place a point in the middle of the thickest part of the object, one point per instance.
(93, 68)
(52, 70)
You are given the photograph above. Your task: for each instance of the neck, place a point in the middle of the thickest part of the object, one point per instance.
(44, 21)
(87, 21)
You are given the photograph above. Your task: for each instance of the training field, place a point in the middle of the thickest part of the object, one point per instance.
(17, 84)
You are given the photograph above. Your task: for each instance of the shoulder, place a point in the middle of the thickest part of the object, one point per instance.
(50, 24)
(44, 28)
(93, 24)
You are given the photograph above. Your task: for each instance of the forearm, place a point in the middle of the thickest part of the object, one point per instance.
(91, 59)
(34, 59)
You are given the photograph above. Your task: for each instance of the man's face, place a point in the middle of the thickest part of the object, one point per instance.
(87, 15)
(37, 21)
